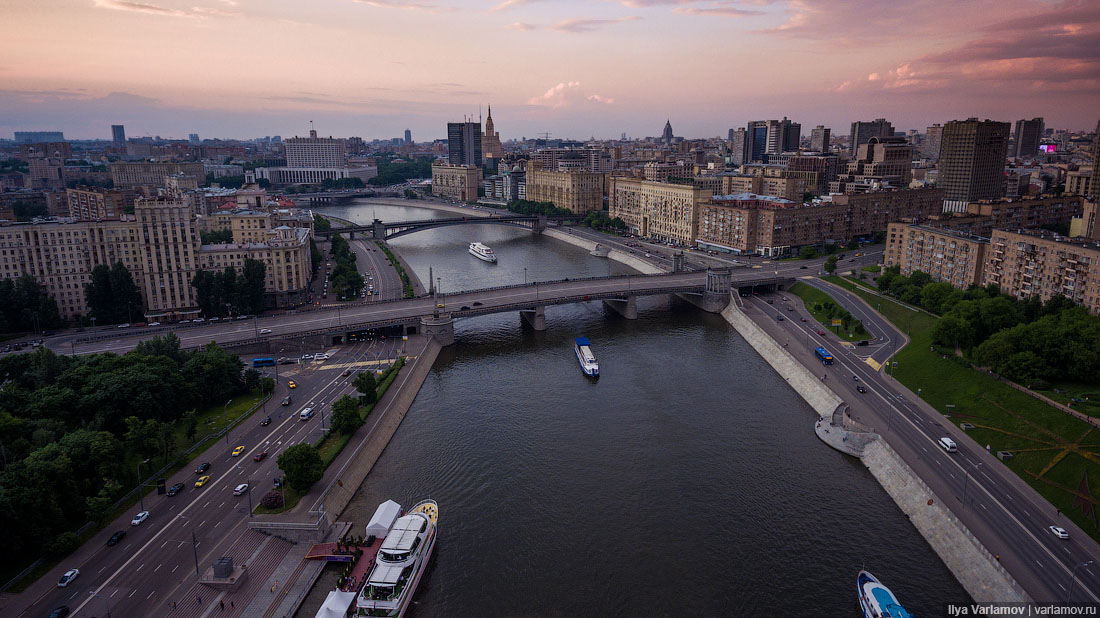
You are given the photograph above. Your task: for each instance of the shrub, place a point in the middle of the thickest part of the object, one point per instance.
(272, 499)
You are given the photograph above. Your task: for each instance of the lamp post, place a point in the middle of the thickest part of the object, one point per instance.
(967, 482)
(225, 419)
(105, 603)
(1073, 579)
(140, 485)
(525, 275)
(194, 543)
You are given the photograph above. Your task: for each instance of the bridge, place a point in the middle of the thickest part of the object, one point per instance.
(321, 197)
(434, 315)
(385, 231)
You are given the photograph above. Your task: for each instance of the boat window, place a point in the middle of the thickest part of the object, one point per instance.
(424, 526)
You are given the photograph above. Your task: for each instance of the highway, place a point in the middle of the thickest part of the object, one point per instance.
(1004, 513)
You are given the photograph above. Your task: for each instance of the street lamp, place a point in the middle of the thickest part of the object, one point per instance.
(525, 276)
(967, 482)
(105, 603)
(140, 485)
(1073, 580)
(225, 419)
(194, 543)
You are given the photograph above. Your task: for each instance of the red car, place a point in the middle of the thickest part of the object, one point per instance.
(821, 332)
(259, 456)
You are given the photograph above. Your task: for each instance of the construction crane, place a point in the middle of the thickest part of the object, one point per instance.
(544, 135)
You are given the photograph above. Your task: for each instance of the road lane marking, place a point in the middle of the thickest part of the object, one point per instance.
(114, 592)
(127, 596)
(175, 567)
(141, 567)
(158, 567)
(150, 595)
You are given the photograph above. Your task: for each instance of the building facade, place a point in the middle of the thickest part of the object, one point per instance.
(464, 143)
(148, 174)
(658, 210)
(1027, 263)
(819, 139)
(972, 161)
(863, 131)
(456, 182)
(490, 140)
(1027, 136)
(98, 203)
(578, 191)
(947, 255)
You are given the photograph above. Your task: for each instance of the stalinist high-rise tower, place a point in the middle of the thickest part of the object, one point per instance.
(490, 140)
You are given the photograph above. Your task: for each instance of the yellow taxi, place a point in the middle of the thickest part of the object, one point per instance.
(291, 384)
(202, 480)
(237, 451)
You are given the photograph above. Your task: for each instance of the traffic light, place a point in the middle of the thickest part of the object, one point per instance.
(160, 487)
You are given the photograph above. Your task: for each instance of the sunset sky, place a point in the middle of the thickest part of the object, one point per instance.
(574, 68)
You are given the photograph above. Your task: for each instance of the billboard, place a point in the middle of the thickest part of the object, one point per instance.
(1047, 147)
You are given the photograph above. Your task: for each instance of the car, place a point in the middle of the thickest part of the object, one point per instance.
(802, 267)
(175, 489)
(345, 373)
(265, 331)
(213, 319)
(60, 612)
(784, 298)
(307, 357)
(202, 468)
(140, 517)
(477, 303)
(803, 319)
(154, 323)
(821, 332)
(184, 322)
(286, 361)
(856, 378)
(240, 489)
(790, 308)
(127, 325)
(259, 456)
(286, 400)
(198, 320)
(1057, 531)
(237, 451)
(266, 421)
(321, 356)
(439, 305)
(291, 384)
(202, 480)
(68, 577)
(771, 302)
(240, 317)
(779, 318)
(116, 537)
(861, 389)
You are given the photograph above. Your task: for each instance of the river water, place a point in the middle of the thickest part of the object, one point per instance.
(686, 481)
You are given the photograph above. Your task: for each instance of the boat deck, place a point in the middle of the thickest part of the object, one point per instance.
(359, 572)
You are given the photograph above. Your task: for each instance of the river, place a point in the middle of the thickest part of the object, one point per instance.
(686, 481)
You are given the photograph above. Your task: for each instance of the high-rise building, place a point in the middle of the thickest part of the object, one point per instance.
(193, 139)
(819, 139)
(666, 134)
(756, 140)
(930, 147)
(863, 131)
(972, 161)
(1094, 184)
(1028, 133)
(730, 138)
(782, 136)
(118, 134)
(37, 137)
(408, 136)
(792, 136)
(490, 140)
(739, 143)
(464, 143)
(578, 190)
(312, 160)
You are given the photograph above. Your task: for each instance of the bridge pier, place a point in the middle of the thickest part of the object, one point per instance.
(441, 328)
(378, 230)
(626, 307)
(716, 292)
(540, 224)
(535, 318)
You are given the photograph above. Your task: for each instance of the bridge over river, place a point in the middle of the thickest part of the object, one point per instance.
(434, 315)
(380, 230)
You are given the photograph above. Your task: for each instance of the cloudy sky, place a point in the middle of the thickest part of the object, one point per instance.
(573, 68)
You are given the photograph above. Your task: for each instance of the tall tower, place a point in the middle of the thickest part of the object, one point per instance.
(972, 162)
(118, 134)
(819, 139)
(1028, 133)
(408, 136)
(863, 131)
(666, 135)
(490, 140)
(464, 143)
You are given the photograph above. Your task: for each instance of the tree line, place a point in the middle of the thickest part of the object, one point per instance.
(25, 308)
(231, 293)
(75, 427)
(112, 295)
(1027, 341)
(391, 173)
(345, 278)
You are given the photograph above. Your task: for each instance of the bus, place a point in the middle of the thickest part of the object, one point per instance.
(823, 356)
(263, 362)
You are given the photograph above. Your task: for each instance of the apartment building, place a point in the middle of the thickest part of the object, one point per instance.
(578, 191)
(99, 203)
(981, 218)
(947, 255)
(152, 174)
(456, 182)
(1026, 263)
(972, 161)
(661, 211)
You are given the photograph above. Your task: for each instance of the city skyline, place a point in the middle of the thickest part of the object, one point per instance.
(241, 68)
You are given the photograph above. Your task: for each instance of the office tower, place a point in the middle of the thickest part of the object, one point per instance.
(739, 143)
(792, 135)
(408, 136)
(316, 152)
(819, 139)
(863, 131)
(193, 139)
(930, 147)
(972, 161)
(730, 137)
(118, 134)
(490, 140)
(1028, 133)
(464, 143)
(666, 135)
(756, 145)
(1094, 185)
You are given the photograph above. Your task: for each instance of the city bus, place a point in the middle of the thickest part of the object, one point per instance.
(823, 356)
(263, 362)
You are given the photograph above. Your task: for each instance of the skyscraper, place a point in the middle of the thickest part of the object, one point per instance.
(666, 135)
(772, 137)
(464, 143)
(972, 161)
(1028, 133)
(863, 131)
(930, 147)
(1094, 183)
(193, 139)
(819, 139)
(408, 136)
(739, 143)
(118, 134)
(756, 140)
(792, 135)
(490, 140)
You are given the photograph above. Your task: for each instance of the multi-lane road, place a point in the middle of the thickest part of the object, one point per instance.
(1009, 518)
(155, 562)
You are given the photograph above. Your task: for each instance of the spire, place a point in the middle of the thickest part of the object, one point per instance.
(490, 111)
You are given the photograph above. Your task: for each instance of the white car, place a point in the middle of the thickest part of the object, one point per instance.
(126, 325)
(154, 323)
(265, 331)
(68, 578)
(1059, 532)
(321, 356)
(140, 517)
(307, 357)
(198, 320)
(239, 491)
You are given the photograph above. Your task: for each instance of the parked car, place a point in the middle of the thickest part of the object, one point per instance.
(265, 331)
(259, 456)
(68, 577)
(198, 320)
(779, 318)
(175, 489)
(240, 489)
(240, 317)
(864, 342)
(140, 517)
(154, 323)
(307, 357)
(184, 321)
(202, 468)
(116, 537)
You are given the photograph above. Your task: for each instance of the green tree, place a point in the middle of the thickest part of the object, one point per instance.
(252, 285)
(99, 505)
(345, 415)
(127, 298)
(217, 237)
(321, 224)
(951, 331)
(97, 294)
(807, 253)
(365, 383)
(830, 264)
(934, 295)
(302, 466)
(190, 425)
(207, 293)
(25, 211)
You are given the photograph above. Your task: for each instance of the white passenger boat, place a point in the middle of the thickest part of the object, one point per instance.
(400, 562)
(586, 358)
(482, 252)
(876, 600)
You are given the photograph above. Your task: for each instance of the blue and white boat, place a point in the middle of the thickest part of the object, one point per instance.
(586, 358)
(876, 600)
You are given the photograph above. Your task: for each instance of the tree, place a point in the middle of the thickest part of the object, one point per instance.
(97, 294)
(934, 295)
(126, 295)
(302, 466)
(25, 211)
(366, 384)
(345, 415)
(830, 264)
(807, 253)
(252, 285)
(190, 425)
(216, 237)
(206, 293)
(952, 331)
(112, 295)
(1023, 367)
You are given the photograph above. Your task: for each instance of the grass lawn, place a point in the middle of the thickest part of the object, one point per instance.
(1053, 451)
(1084, 398)
(874, 268)
(811, 297)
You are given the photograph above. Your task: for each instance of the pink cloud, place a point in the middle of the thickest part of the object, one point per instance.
(409, 6)
(521, 26)
(598, 99)
(580, 26)
(139, 7)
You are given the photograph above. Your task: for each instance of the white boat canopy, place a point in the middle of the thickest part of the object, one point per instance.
(336, 605)
(385, 575)
(403, 534)
(383, 518)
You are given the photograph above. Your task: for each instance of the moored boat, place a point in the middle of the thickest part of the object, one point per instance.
(876, 600)
(400, 563)
(482, 252)
(586, 358)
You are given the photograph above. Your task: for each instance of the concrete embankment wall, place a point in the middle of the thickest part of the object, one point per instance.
(622, 257)
(967, 559)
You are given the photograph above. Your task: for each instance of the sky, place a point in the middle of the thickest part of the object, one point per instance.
(571, 68)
